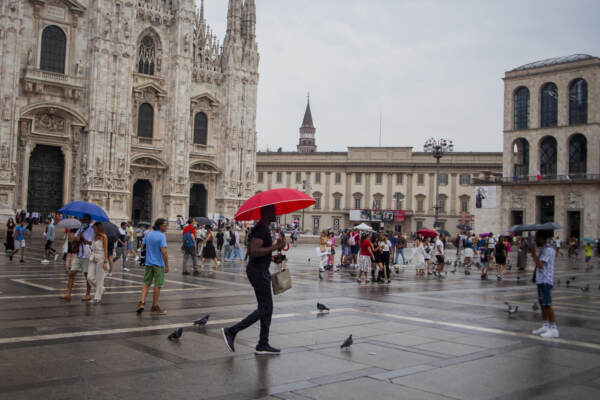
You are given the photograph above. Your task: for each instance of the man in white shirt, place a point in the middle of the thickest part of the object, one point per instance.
(227, 244)
(544, 278)
(236, 250)
(439, 255)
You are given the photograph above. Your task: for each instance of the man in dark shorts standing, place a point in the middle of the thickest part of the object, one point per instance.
(257, 270)
(544, 278)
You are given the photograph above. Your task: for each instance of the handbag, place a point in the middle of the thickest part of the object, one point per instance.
(281, 280)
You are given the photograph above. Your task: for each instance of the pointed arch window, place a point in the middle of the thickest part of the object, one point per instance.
(578, 102)
(521, 101)
(146, 121)
(54, 50)
(577, 154)
(548, 156)
(549, 109)
(147, 56)
(200, 129)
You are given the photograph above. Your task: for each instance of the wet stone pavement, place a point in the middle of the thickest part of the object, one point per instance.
(416, 338)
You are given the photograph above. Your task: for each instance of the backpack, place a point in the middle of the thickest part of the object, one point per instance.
(188, 242)
(232, 239)
(351, 240)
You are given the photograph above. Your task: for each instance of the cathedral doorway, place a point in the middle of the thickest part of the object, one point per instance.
(141, 203)
(197, 201)
(45, 185)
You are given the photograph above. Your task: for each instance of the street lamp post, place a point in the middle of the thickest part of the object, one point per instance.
(437, 147)
(305, 188)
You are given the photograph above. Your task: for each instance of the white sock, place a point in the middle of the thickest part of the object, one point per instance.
(546, 324)
(553, 326)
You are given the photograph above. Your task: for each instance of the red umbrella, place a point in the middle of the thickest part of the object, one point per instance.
(285, 201)
(427, 232)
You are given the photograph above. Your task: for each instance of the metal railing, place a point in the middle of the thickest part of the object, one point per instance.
(527, 180)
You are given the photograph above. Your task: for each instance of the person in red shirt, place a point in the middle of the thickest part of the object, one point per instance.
(364, 259)
(189, 250)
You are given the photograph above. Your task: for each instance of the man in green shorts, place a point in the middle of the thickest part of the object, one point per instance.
(157, 264)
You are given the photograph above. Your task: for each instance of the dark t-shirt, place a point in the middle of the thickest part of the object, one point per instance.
(260, 231)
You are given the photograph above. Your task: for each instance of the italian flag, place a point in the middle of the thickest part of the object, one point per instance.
(539, 176)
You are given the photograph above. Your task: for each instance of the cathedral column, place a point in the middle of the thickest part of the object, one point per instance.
(348, 190)
(388, 200)
(66, 151)
(25, 176)
(327, 190)
(453, 193)
(409, 192)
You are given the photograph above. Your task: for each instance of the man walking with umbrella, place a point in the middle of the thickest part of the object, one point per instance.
(260, 249)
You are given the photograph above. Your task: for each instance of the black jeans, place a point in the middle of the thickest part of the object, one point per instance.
(260, 278)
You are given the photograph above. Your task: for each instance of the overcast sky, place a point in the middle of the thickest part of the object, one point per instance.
(434, 68)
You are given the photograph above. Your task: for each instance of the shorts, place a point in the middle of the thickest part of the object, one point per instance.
(346, 251)
(129, 245)
(48, 244)
(544, 294)
(354, 249)
(500, 260)
(468, 252)
(111, 248)
(19, 244)
(588, 258)
(154, 274)
(440, 259)
(364, 263)
(80, 264)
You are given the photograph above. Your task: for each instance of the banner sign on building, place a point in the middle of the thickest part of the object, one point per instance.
(377, 215)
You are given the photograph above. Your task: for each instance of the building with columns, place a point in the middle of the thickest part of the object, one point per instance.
(133, 105)
(396, 181)
(551, 161)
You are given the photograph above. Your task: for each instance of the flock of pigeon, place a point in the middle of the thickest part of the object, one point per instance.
(178, 333)
(513, 308)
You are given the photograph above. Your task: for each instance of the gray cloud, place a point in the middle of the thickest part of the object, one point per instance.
(434, 67)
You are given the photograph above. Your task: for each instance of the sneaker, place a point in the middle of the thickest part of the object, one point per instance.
(229, 339)
(22, 261)
(551, 333)
(499, 278)
(10, 257)
(267, 349)
(541, 330)
(139, 308)
(158, 311)
(185, 273)
(196, 273)
(44, 261)
(125, 269)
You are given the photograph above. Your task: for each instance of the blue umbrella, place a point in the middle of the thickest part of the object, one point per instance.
(80, 208)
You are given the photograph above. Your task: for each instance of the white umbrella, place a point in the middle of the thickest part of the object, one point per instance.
(363, 227)
(69, 223)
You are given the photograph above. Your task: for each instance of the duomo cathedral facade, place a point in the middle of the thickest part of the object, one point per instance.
(133, 105)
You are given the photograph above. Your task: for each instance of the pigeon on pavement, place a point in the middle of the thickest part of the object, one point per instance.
(202, 321)
(347, 343)
(176, 334)
(512, 308)
(322, 307)
(586, 288)
(535, 307)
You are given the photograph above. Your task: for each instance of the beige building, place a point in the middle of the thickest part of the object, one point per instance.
(395, 181)
(551, 162)
(133, 105)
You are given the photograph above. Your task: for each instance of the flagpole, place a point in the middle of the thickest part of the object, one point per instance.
(380, 112)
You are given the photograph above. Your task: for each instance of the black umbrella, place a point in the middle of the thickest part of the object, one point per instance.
(111, 231)
(443, 232)
(464, 227)
(204, 221)
(548, 226)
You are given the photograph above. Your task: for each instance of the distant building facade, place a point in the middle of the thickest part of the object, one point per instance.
(132, 105)
(393, 186)
(551, 162)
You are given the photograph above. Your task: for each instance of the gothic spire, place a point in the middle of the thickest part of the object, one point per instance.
(307, 122)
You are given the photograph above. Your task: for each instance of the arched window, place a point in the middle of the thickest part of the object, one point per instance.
(577, 154)
(200, 128)
(520, 158)
(147, 56)
(549, 109)
(54, 50)
(145, 121)
(548, 156)
(521, 108)
(578, 102)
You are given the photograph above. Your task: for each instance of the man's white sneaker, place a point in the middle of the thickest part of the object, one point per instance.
(125, 269)
(540, 330)
(551, 333)
(45, 262)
